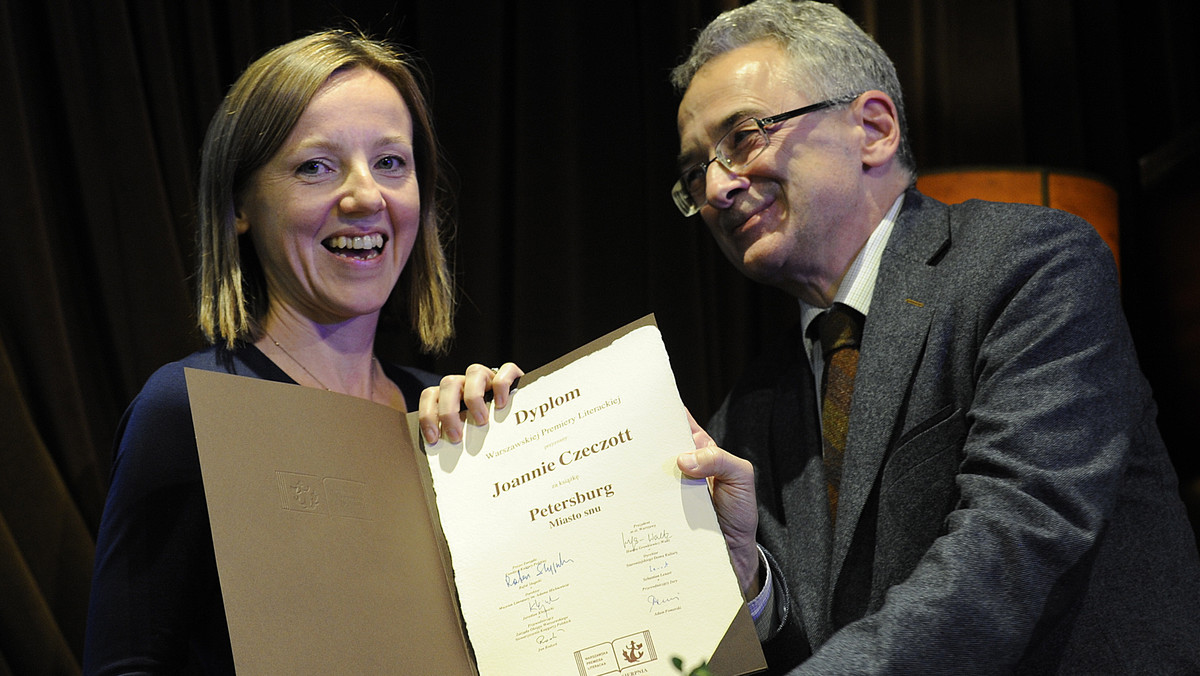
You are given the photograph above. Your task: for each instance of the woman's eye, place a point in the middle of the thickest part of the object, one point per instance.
(312, 168)
(391, 163)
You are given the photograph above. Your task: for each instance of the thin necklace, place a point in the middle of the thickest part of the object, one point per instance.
(310, 373)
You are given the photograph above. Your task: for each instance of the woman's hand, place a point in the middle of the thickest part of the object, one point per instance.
(442, 408)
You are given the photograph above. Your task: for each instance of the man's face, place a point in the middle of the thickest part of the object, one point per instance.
(778, 219)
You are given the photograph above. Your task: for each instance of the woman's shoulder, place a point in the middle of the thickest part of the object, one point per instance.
(165, 391)
(162, 406)
(169, 383)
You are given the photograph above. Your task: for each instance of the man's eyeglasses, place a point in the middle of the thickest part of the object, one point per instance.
(740, 146)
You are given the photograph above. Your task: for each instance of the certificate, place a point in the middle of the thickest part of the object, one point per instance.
(577, 547)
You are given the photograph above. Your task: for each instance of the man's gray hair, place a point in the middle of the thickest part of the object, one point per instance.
(831, 57)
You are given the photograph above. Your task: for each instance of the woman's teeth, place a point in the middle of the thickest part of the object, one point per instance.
(358, 247)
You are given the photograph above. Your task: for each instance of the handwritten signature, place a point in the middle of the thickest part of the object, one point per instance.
(655, 601)
(540, 607)
(634, 542)
(552, 567)
(515, 578)
(542, 568)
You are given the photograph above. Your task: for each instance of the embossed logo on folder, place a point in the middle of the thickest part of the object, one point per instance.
(330, 495)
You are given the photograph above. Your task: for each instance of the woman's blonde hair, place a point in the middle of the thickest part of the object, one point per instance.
(254, 120)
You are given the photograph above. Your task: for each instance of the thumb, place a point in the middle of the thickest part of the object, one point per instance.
(699, 436)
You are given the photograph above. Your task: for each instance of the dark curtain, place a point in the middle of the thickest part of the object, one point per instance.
(560, 124)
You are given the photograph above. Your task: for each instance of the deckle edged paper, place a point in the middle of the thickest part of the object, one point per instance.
(577, 545)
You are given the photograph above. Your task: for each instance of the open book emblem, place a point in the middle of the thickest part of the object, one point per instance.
(602, 659)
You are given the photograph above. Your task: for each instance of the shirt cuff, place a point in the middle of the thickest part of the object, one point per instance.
(760, 602)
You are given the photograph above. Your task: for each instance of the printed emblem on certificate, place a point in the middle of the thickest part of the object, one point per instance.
(615, 656)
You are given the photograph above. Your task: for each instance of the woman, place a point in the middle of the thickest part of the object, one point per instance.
(311, 218)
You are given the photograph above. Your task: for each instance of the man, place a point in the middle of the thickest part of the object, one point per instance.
(1005, 502)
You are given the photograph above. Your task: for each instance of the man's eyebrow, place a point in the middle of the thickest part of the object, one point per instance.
(684, 160)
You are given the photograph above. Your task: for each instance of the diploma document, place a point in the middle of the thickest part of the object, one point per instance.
(577, 545)
(560, 538)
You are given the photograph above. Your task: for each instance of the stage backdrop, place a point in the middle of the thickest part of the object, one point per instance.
(559, 121)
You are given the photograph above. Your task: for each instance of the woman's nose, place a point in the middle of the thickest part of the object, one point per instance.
(362, 194)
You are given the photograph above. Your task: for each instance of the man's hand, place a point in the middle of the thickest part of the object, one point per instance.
(441, 407)
(731, 480)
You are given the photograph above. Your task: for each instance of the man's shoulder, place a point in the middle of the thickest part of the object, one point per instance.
(996, 241)
(982, 221)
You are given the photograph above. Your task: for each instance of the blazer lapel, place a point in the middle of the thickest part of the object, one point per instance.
(897, 328)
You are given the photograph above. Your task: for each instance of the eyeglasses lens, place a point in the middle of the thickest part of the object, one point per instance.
(741, 145)
(736, 149)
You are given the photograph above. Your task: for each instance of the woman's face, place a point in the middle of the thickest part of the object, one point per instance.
(334, 213)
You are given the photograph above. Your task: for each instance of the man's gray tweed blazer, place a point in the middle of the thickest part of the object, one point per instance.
(1007, 504)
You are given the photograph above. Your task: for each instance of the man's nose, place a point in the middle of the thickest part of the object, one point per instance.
(721, 185)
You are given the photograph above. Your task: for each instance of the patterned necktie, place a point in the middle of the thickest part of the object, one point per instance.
(840, 333)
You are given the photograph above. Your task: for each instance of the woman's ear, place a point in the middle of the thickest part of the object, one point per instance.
(876, 113)
(240, 221)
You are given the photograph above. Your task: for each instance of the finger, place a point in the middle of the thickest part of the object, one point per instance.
(450, 394)
(725, 467)
(699, 436)
(428, 414)
(694, 465)
(503, 381)
(712, 462)
(687, 462)
(476, 384)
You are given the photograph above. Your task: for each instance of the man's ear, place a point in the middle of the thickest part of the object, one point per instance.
(876, 114)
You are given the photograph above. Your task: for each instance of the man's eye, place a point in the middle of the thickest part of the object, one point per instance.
(694, 175)
(743, 138)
